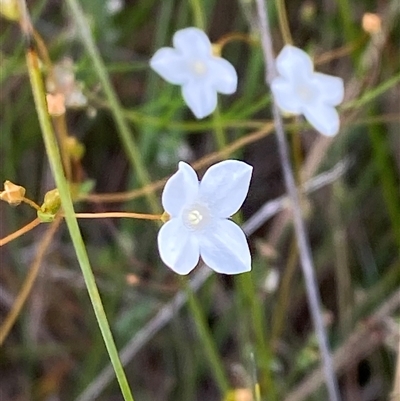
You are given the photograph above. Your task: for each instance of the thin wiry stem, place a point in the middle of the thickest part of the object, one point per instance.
(302, 239)
(132, 149)
(29, 282)
(20, 232)
(117, 215)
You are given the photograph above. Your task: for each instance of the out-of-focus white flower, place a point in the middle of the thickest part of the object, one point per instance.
(271, 281)
(300, 90)
(114, 6)
(63, 81)
(192, 65)
(199, 224)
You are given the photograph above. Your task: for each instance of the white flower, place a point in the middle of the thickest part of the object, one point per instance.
(114, 6)
(300, 90)
(191, 64)
(199, 222)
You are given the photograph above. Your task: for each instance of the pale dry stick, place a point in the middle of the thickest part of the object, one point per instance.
(302, 239)
(275, 206)
(361, 343)
(166, 313)
(396, 389)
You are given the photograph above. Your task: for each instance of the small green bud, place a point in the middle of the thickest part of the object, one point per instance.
(165, 217)
(50, 206)
(45, 217)
(76, 149)
(9, 9)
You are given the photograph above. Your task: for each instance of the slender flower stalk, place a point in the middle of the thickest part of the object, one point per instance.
(117, 215)
(206, 337)
(31, 203)
(302, 239)
(20, 232)
(126, 136)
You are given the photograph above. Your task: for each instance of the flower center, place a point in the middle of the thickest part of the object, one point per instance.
(305, 92)
(199, 67)
(196, 216)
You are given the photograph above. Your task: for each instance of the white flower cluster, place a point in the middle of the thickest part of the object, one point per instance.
(199, 212)
(297, 89)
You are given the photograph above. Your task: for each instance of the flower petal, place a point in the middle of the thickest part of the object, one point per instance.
(200, 98)
(285, 95)
(331, 88)
(168, 63)
(178, 248)
(224, 187)
(192, 42)
(180, 189)
(223, 75)
(324, 119)
(294, 63)
(224, 248)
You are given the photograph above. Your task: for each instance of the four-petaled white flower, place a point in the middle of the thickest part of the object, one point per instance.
(192, 64)
(199, 224)
(300, 90)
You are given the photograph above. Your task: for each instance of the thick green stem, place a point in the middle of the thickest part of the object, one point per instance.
(53, 154)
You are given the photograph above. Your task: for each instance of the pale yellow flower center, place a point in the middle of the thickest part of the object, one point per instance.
(305, 92)
(196, 216)
(199, 67)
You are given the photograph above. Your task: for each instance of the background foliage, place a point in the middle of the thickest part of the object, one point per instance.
(260, 328)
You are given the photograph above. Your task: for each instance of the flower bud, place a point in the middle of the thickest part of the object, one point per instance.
(371, 23)
(165, 217)
(13, 194)
(75, 149)
(50, 206)
(55, 104)
(9, 9)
